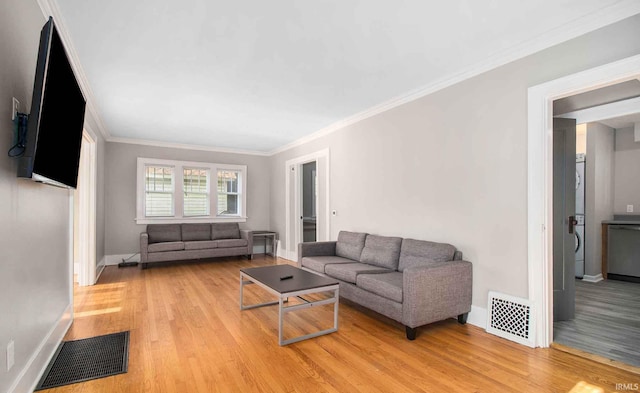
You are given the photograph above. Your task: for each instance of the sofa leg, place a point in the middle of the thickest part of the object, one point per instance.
(411, 333)
(462, 318)
(144, 265)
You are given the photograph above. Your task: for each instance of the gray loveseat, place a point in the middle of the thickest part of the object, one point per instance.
(171, 242)
(414, 282)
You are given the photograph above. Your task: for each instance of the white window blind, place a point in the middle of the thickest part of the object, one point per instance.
(159, 188)
(196, 192)
(228, 192)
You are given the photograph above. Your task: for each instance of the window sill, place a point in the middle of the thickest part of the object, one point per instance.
(188, 220)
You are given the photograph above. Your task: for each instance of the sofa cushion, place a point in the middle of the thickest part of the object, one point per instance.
(318, 263)
(387, 285)
(165, 246)
(422, 251)
(225, 230)
(411, 261)
(350, 244)
(200, 245)
(196, 232)
(381, 251)
(349, 271)
(164, 233)
(226, 243)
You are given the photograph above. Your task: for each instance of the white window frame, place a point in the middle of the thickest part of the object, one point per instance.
(178, 208)
(172, 192)
(240, 191)
(207, 192)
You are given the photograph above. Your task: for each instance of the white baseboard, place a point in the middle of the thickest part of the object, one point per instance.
(32, 372)
(111, 260)
(100, 268)
(478, 317)
(596, 278)
(289, 255)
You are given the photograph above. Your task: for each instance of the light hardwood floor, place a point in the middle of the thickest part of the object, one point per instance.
(189, 335)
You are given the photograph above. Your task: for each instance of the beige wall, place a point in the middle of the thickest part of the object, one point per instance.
(627, 164)
(581, 139)
(456, 160)
(122, 232)
(599, 181)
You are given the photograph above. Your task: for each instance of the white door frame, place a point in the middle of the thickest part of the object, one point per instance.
(289, 250)
(86, 194)
(540, 178)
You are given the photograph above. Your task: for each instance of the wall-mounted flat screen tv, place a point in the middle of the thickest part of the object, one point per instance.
(56, 120)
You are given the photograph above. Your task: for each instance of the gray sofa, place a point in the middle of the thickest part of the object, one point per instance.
(414, 282)
(172, 242)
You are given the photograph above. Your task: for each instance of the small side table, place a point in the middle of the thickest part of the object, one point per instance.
(274, 241)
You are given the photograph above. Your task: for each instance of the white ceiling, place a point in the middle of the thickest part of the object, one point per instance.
(622, 121)
(257, 75)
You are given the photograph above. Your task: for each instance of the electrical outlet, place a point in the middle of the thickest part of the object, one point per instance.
(629, 208)
(10, 355)
(15, 108)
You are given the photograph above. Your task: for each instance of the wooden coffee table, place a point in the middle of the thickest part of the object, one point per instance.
(285, 281)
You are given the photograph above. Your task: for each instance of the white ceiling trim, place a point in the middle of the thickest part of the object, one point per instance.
(172, 145)
(50, 8)
(578, 27)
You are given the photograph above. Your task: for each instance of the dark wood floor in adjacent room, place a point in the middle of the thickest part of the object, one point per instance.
(189, 335)
(607, 321)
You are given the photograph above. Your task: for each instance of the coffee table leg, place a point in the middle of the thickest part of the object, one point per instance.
(280, 316)
(241, 287)
(335, 308)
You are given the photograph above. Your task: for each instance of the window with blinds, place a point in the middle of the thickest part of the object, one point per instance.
(228, 195)
(159, 190)
(196, 192)
(172, 191)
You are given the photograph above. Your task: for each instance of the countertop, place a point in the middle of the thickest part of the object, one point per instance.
(621, 222)
(622, 219)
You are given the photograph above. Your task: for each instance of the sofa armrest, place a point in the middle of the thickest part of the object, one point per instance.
(315, 249)
(144, 244)
(248, 236)
(436, 292)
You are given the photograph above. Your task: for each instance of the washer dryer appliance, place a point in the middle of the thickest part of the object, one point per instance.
(579, 232)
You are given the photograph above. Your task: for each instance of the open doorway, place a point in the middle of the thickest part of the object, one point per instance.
(540, 221)
(307, 201)
(606, 295)
(84, 217)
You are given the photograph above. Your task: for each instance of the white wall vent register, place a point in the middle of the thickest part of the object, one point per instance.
(512, 318)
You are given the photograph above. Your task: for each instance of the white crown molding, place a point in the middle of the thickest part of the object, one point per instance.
(576, 28)
(147, 142)
(50, 8)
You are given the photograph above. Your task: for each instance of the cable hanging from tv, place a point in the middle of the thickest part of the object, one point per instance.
(20, 135)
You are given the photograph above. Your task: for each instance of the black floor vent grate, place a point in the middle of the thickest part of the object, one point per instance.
(86, 359)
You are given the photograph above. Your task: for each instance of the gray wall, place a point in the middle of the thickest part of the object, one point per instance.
(458, 160)
(122, 232)
(627, 163)
(35, 275)
(599, 180)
